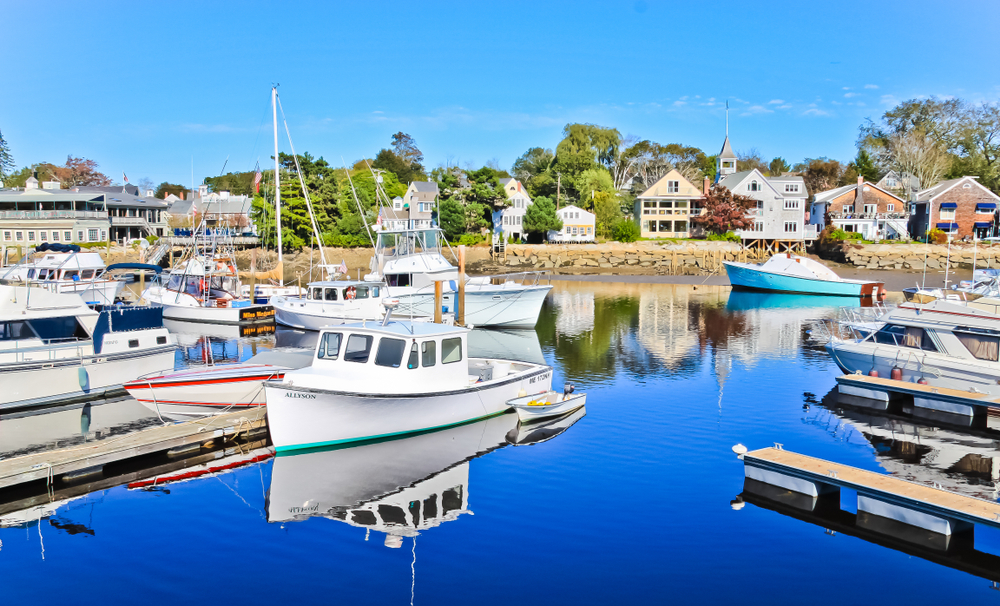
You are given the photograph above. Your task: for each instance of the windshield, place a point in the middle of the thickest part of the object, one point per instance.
(397, 244)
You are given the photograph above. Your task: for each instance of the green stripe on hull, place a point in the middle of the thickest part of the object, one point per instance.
(333, 444)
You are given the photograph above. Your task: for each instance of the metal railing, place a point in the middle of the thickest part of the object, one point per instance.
(52, 214)
(869, 216)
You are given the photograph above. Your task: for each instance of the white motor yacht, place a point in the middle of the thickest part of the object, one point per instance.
(205, 289)
(55, 349)
(370, 381)
(943, 343)
(331, 303)
(63, 268)
(409, 261)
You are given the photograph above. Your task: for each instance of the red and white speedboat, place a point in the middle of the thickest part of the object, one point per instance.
(215, 389)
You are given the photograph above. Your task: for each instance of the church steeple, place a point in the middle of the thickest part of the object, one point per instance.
(726, 162)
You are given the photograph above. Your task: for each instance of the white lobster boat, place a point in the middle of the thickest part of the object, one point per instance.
(63, 268)
(216, 389)
(331, 303)
(377, 381)
(205, 289)
(55, 349)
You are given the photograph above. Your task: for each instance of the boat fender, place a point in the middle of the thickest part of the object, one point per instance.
(84, 378)
(922, 381)
(522, 393)
(896, 374)
(873, 373)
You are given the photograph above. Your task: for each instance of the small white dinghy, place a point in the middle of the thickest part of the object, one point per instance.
(547, 404)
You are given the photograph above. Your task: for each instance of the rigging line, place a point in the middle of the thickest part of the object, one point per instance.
(358, 202)
(298, 169)
(253, 150)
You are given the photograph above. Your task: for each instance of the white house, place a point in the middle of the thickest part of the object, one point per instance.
(578, 225)
(780, 214)
(510, 219)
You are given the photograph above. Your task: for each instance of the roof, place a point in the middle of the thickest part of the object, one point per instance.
(425, 186)
(831, 194)
(404, 328)
(506, 180)
(573, 207)
(734, 180)
(685, 188)
(727, 151)
(122, 196)
(47, 195)
(930, 193)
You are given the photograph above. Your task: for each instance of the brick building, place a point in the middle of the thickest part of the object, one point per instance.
(863, 208)
(961, 207)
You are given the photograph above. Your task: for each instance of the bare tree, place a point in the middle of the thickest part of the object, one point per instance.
(624, 158)
(751, 159)
(916, 154)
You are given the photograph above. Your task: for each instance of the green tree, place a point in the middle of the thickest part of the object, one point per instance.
(864, 166)
(164, 189)
(607, 211)
(585, 146)
(6, 158)
(238, 184)
(626, 231)
(403, 160)
(540, 218)
(778, 167)
(591, 182)
(451, 217)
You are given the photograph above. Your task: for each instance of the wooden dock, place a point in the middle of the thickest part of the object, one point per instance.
(82, 459)
(942, 399)
(915, 504)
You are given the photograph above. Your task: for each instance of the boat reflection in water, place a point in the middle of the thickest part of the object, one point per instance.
(398, 487)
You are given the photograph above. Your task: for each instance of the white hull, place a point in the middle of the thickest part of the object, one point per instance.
(504, 307)
(938, 370)
(310, 315)
(42, 382)
(533, 408)
(196, 393)
(309, 418)
(182, 306)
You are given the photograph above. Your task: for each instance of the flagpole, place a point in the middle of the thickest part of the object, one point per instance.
(277, 181)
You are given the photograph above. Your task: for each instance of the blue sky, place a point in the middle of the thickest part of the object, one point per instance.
(144, 87)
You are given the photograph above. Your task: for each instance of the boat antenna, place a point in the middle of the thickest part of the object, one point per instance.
(305, 192)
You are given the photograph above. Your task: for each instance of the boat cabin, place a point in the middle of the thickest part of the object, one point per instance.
(412, 258)
(69, 266)
(400, 357)
(200, 277)
(342, 290)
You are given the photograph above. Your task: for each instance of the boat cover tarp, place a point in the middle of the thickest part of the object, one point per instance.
(125, 318)
(56, 247)
(136, 266)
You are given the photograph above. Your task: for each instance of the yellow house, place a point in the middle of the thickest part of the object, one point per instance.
(665, 209)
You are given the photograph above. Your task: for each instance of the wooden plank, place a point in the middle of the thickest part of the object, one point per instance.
(987, 512)
(917, 388)
(41, 465)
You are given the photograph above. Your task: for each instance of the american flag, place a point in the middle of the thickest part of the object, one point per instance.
(256, 181)
(343, 267)
(378, 221)
(124, 177)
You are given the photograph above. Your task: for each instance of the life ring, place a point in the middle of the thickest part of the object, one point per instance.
(350, 292)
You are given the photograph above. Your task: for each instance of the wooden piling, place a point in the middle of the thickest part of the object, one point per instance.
(460, 312)
(437, 301)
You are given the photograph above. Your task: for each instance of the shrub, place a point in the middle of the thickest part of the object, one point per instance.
(152, 239)
(470, 239)
(625, 231)
(937, 236)
(726, 237)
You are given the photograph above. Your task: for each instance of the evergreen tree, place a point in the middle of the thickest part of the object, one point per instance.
(6, 158)
(452, 218)
(540, 218)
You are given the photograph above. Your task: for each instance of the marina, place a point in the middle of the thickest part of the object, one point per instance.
(412, 504)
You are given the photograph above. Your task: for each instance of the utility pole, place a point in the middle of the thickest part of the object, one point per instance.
(558, 187)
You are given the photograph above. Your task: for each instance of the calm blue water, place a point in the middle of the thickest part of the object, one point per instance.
(630, 504)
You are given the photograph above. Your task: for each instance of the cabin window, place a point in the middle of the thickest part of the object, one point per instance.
(451, 350)
(331, 294)
(174, 283)
(359, 347)
(981, 346)
(390, 352)
(428, 353)
(132, 343)
(413, 360)
(329, 346)
(398, 279)
(58, 329)
(364, 517)
(905, 336)
(43, 273)
(451, 500)
(71, 274)
(362, 293)
(15, 331)
(87, 274)
(317, 294)
(31, 274)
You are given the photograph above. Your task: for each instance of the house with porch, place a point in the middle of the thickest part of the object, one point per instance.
(665, 209)
(222, 210)
(33, 215)
(131, 214)
(413, 210)
(864, 208)
(780, 218)
(962, 208)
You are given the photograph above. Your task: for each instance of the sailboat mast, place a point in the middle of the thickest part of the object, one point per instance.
(277, 182)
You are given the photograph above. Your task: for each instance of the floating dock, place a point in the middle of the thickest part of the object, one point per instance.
(179, 439)
(916, 505)
(884, 392)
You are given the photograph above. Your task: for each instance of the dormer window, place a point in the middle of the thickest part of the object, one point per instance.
(754, 186)
(791, 188)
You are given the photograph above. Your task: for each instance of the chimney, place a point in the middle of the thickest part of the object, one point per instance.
(861, 181)
(182, 194)
(704, 187)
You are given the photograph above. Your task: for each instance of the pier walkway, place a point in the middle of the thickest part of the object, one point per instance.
(915, 504)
